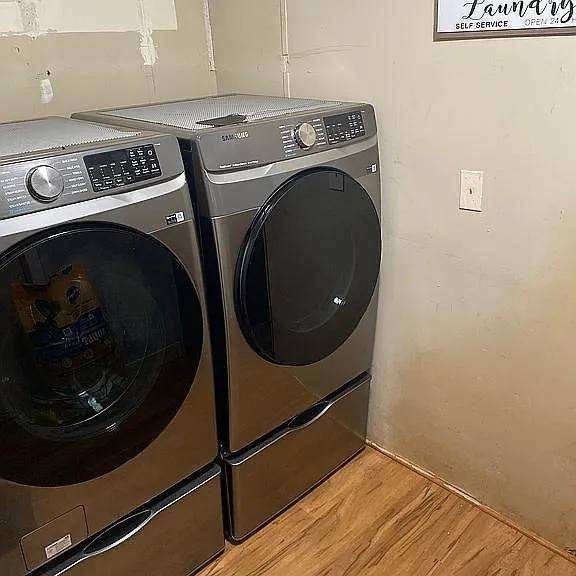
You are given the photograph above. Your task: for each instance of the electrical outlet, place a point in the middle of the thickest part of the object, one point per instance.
(471, 190)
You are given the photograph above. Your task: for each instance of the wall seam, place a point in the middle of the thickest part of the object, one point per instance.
(285, 48)
(210, 43)
(147, 47)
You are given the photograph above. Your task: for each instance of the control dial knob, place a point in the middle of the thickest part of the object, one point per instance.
(305, 135)
(45, 183)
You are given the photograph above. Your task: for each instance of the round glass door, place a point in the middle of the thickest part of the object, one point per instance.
(100, 340)
(309, 268)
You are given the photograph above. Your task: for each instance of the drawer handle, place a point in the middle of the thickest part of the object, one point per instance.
(118, 533)
(310, 416)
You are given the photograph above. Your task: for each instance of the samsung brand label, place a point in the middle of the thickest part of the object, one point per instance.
(235, 136)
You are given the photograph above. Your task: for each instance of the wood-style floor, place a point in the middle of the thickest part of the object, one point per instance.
(376, 517)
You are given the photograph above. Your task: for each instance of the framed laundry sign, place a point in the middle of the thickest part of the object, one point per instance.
(461, 19)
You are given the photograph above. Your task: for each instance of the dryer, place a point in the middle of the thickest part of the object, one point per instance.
(106, 390)
(287, 192)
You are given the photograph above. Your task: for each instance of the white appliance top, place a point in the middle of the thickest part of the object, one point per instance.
(54, 133)
(187, 114)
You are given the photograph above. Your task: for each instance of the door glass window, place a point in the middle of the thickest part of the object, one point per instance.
(100, 340)
(309, 268)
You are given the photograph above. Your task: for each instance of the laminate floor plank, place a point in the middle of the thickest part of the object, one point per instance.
(400, 543)
(376, 517)
(490, 548)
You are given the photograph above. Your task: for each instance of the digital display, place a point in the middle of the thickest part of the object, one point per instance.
(110, 170)
(344, 127)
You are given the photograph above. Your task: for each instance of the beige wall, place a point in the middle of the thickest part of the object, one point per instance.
(475, 367)
(248, 51)
(59, 57)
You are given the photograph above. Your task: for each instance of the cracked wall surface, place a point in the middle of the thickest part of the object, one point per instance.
(59, 57)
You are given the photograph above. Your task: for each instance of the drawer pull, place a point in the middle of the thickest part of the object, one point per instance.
(118, 533)
(310, 416)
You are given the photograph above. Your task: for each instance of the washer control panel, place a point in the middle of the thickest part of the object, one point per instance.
(27, 186)
(344, 127)
(109, 170)
(45, 183)
(42, 183)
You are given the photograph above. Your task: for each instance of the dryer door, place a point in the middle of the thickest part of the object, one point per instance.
(309, 267)
(100, 340)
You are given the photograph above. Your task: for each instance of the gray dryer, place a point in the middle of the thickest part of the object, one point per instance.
(287, 192)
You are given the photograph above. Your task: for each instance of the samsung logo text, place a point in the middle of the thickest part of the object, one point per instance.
(235, 136)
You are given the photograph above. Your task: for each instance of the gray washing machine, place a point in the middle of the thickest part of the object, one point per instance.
(287, 192)
(106, 386)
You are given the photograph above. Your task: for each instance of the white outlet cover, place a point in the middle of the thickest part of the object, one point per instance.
(471, 184)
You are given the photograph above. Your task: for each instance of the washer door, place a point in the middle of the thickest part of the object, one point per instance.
(100, 341)
(309, 267)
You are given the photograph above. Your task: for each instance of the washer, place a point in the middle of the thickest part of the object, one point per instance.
(106, 390)
(288, 196)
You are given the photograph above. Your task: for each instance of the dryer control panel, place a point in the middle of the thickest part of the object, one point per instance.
(344, 127)
(291, 140)
(258, 143)
(316, 133)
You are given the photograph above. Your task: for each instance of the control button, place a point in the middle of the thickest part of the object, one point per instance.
(45, 183)
(305, 135)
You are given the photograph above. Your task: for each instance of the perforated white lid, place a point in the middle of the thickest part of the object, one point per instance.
(187, 114)
(54, 133)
